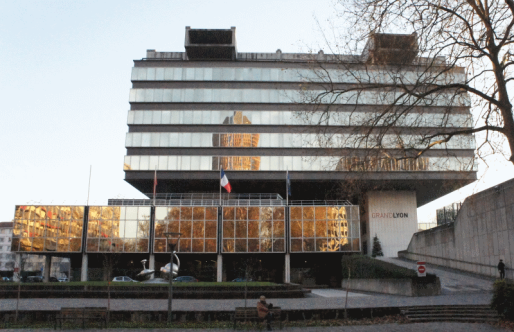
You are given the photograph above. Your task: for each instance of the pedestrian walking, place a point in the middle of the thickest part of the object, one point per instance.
(501, 269)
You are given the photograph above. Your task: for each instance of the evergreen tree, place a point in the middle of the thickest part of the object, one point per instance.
(377, 248)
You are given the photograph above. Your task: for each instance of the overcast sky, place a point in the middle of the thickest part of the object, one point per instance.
(65, 78)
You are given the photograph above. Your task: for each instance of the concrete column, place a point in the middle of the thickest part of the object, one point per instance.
(47, 268)
(17, 264)
(287, 269)
(83, 270)
(219, 275)
(151, 264)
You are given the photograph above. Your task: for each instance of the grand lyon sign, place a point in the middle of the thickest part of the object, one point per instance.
(389, 215)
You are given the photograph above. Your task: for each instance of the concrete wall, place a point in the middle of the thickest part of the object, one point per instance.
(482, 235)
(405, 287)
(392, 216)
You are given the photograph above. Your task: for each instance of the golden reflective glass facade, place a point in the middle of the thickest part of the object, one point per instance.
(118, 229)
(324, 228)
(253, 229)
(48, 228)
(198, 225)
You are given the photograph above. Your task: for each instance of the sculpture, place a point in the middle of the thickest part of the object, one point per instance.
(165, 270)
(146, 274)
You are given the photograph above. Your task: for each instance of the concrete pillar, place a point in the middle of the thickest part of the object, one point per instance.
(151, 264)
(17, 265)
(47, 268)
(219, 275)
(287, 269)
(83, 270)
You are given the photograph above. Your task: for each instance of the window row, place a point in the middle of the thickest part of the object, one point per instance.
(118, 228)
(46, 244)
(48, 212)
(47, 228)
(253, 245)
(325, 228)
(300, 118)
(288, 75)
(264, 213)
(117, 245)
(350, 212)
(119, 212)
(286, 140)
(253, 229)
(290, 96)
(189, 229)
(342, 244)
(188, 245)
(186, 213)
(296, 163)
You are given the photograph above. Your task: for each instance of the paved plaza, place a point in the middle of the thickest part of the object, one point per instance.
(422, 327)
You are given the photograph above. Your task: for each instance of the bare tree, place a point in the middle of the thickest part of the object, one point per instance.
(450, 56)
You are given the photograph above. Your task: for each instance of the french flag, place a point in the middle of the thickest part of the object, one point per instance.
(224, 181)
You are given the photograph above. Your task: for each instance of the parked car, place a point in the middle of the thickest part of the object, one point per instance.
(53, 279)
(63, 279)
(6, 279)
(242, 280)
(123, 279)
(185, 279)
(34, 279)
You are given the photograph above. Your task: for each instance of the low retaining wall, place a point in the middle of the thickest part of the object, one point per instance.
(150, 292)
(405, 287)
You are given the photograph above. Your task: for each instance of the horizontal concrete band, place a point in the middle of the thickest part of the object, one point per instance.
(242, 106)
(290, 96)
(378, 75)
(245, 60)
(305, 176)
(157, 151)
(201, 128)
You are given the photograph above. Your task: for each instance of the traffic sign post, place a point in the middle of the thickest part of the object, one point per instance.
(422, 270)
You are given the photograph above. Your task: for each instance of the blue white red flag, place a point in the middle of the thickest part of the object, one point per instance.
(224, 182)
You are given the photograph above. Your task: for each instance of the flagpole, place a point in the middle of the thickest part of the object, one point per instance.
(154, 187)
(89, 184)
(220, 184)
(287, 187)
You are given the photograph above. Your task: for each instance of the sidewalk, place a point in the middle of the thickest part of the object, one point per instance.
(423, 327)
(371, 301)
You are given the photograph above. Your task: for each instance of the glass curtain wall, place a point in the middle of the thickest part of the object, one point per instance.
(253, 229)
(325, 228)
(118, 229)
(48, 228)
(197, 224)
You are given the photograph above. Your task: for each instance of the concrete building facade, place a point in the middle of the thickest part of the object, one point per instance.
(210, 108)
(482, 234)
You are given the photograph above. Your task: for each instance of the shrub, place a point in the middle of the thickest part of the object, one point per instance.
(503, 298)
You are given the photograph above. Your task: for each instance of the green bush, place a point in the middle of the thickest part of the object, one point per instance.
(364, 267)
(503, 298)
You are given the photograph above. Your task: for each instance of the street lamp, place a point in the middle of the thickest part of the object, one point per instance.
(173, 239)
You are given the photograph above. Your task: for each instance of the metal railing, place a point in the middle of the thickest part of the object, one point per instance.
(320, 202)
(448, 214)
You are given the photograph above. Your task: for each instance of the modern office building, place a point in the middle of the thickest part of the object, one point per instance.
(193, 113)
(6, 256)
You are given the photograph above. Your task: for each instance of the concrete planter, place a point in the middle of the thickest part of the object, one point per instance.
(405, 287)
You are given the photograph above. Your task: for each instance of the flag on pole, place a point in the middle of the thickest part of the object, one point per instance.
(288, 184)
(224, 182)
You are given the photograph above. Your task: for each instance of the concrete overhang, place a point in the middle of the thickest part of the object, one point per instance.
(211, 44)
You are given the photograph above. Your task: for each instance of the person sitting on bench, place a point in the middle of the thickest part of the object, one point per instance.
(263, 310)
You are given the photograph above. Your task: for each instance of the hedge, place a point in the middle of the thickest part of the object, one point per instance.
(503, 298)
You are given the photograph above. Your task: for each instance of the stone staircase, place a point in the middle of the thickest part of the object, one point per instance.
(453, 313)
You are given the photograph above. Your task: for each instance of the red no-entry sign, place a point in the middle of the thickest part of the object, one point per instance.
(422, 271)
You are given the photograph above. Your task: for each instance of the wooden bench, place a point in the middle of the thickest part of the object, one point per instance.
(82, 314)
(250, 314)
